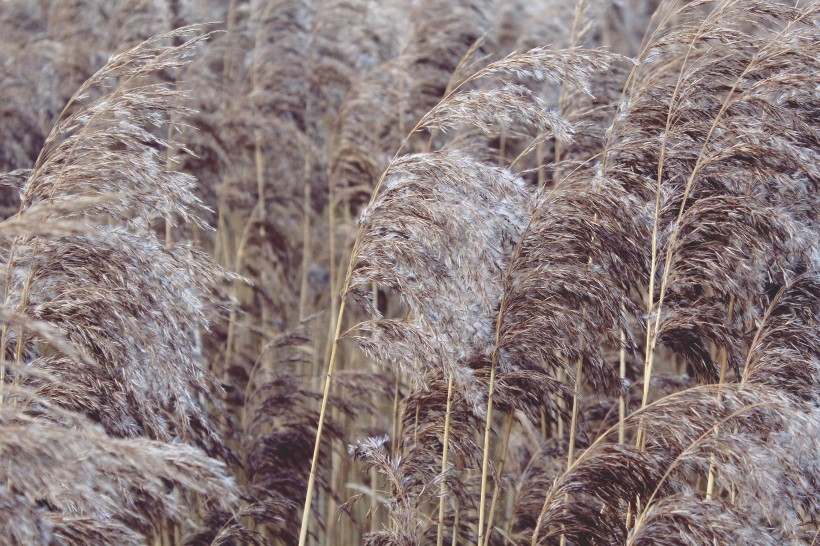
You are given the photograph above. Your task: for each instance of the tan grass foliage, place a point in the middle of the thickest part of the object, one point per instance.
(408, 273)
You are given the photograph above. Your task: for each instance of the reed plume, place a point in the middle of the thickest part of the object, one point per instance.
(116, 380)
(428, 273)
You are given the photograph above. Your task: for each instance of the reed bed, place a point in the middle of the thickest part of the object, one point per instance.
(407, 273)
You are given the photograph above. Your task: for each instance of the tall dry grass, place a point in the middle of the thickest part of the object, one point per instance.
(394, 273)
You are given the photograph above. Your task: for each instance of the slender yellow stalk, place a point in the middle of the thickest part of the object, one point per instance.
(497, 486)
(724, 364)
(622, 399)
(574, 419)
(575, 398)
(228, 71)
(234, 291)
(455, 529)
(303, 289)
(374, 502)
(485, 462)
(416, 425)
(559, 424)
(320, 427)
(537, 530)
(5, 330)
(18, 353)
(334, 305)
(444, 449)
(395, 416)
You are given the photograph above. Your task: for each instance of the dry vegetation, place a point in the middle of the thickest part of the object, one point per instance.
(410, 273)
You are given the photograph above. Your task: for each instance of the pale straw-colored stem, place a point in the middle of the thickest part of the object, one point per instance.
(444, 448)
(497, 487)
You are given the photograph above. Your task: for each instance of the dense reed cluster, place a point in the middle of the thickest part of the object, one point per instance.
(407, 273)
